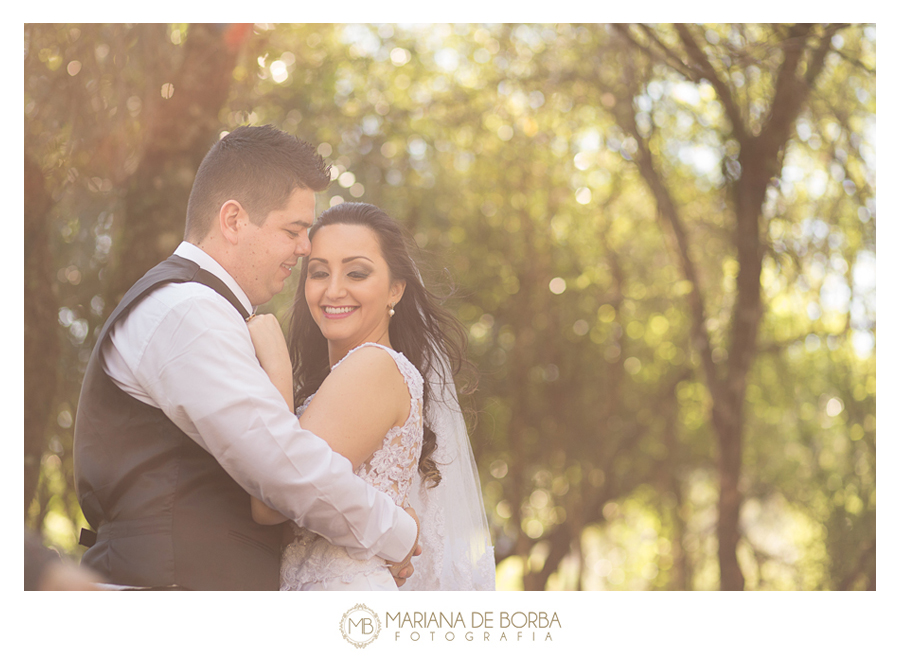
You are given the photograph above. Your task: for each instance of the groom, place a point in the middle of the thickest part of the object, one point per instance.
(178, 424)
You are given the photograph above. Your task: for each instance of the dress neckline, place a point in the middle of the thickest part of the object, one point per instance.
(385, 347)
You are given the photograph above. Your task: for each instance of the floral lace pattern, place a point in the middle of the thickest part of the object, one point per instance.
(310, 558)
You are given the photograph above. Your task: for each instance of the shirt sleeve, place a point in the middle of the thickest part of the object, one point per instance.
(200, 367)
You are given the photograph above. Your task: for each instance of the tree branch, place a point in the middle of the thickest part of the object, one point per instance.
(854, 61)
(791, 90)
(724, 92)
(668, 56)
(668, 212)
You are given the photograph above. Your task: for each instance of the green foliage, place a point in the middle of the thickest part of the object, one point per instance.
(504, 150)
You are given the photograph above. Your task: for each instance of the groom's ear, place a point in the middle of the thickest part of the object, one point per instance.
(231, 216)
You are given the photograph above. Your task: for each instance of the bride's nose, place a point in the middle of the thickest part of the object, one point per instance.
(336, 288)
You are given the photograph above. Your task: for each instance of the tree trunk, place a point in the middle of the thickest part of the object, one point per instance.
(560, 539)
(181, 129)
(728, 412)
(42, 336)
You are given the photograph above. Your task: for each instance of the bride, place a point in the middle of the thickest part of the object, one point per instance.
(373, 356)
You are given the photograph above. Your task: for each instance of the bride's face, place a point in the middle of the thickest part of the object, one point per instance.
(348, 286)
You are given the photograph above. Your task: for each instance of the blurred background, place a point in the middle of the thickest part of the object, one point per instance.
(661, 239)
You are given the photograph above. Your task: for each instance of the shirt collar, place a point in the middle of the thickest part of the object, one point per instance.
(194, 253)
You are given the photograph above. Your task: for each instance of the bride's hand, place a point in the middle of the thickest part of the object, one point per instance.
(272, 352)
(268, 341)
(401, 571)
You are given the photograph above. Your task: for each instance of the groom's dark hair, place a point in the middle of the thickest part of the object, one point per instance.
(258, 166)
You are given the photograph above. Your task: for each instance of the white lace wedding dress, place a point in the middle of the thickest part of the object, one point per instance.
(310, 562)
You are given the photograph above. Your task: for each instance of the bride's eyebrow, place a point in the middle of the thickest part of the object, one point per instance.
(345, 260)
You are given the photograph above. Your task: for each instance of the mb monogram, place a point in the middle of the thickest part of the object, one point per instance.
(360, 625)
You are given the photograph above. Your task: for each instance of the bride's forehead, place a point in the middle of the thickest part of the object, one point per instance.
(339, 238)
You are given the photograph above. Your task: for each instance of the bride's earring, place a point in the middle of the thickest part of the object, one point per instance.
(391, 310)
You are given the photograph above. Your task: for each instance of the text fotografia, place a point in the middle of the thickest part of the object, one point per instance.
(479, 626)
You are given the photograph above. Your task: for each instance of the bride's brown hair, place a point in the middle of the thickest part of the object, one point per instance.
(421, 328)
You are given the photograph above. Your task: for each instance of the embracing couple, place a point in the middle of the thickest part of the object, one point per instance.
(191, 463)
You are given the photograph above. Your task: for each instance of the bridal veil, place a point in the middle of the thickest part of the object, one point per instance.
(457, 553)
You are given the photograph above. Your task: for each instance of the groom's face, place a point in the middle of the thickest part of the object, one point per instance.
(269, 251)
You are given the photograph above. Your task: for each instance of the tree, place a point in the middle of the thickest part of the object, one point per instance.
(41, 347)
(783, 65)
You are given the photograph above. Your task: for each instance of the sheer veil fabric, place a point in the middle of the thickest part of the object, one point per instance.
(457, 552)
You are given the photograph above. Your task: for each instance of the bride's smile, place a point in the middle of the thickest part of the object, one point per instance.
(337, 312)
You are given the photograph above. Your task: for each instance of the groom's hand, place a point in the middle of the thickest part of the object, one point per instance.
(403, 570)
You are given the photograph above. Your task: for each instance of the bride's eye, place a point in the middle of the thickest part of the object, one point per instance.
(358, 275)
(321, 274)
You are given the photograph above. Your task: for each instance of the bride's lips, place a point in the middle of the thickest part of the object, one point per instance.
(338, 312)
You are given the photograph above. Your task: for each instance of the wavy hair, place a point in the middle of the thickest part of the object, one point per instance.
(421, 328)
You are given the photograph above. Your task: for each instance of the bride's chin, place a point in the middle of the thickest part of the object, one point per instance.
(334, 337)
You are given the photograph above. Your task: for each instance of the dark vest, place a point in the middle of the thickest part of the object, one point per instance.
(166, 513)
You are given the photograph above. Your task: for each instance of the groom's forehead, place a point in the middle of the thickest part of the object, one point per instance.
(298, 212)
(301, 223)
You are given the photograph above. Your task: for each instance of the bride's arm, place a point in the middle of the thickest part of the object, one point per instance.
(353, 409)
(272, 352)
(358, 403)
(263, 514)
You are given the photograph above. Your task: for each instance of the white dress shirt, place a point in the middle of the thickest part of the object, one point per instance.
(185, 351)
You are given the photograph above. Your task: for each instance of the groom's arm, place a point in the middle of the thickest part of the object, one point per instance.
(200, 368)
(272, 353)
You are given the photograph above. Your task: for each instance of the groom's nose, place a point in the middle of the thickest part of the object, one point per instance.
(302, 246)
